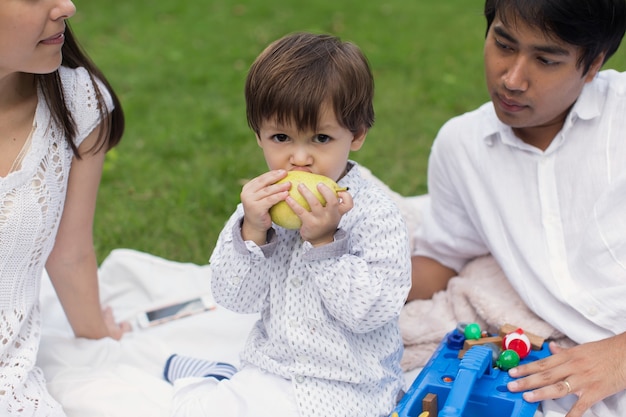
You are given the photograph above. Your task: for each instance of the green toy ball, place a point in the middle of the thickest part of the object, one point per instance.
(508, 359)
(472, 331)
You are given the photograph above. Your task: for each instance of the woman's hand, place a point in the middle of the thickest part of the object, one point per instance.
(591, 371)
(116, 330)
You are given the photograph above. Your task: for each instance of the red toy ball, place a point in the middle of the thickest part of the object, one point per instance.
(518, 342)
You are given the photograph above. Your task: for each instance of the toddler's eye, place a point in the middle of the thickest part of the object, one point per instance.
(280, 137)
(322, 138)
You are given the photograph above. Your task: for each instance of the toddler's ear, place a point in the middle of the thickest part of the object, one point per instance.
(358, 139)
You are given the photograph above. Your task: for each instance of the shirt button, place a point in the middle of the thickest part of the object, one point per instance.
(296, 282)
(592, 311)
(293, 324)
(303, 359)
(236, 280)
(299, 379)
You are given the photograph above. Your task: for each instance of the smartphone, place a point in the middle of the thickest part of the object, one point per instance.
(171, 312)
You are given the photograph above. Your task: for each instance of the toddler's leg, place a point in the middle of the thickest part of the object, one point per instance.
(178, 366)
(249, 393)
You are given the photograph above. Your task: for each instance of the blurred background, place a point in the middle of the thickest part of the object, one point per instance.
(179, 68)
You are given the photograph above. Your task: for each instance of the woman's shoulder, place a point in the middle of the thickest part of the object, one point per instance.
(82, 92)
(75, 80)
(80, 86)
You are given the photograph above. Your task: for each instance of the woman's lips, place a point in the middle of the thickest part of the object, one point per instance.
(57, 39)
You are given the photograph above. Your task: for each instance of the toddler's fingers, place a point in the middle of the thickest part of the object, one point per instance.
(345, 202)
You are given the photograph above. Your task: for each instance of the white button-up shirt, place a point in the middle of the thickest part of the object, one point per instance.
(329, 315)
(555, 220)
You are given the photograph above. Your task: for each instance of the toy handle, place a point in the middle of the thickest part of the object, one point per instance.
(474, 364)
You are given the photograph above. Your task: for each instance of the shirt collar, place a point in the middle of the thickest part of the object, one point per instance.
(589, 103)
(353, 180)
(494, 129)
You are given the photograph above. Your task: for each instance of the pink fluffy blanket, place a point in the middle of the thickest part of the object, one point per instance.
(480, 294)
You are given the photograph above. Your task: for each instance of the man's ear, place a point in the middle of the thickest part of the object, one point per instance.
(358, 140)
(258, 139)
(595, 66)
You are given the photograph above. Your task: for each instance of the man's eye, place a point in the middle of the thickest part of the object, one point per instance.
(547, 62)
(501, 45)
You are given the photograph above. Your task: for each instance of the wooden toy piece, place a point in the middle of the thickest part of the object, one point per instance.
(535, 341)
(482, 341)
(424, 414)
(429, 405)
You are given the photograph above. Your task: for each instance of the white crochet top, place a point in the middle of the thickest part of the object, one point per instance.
(31, 202)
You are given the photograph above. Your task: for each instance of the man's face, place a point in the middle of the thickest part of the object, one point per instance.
(533, 79)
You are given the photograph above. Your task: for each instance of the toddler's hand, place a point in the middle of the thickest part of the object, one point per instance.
(320, 224)
(257, 197)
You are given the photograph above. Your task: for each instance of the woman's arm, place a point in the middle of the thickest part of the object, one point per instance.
(72, 265)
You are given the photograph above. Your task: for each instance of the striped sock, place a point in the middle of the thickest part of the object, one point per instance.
(178, 366)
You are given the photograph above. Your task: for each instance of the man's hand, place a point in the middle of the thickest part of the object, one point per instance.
(591, 371)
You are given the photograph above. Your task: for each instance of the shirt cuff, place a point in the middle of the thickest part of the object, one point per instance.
(335, 249)
(248, 246)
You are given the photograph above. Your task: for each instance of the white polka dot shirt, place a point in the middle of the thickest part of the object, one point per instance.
(329, 315)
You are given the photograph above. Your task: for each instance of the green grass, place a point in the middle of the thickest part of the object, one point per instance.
(179, 68)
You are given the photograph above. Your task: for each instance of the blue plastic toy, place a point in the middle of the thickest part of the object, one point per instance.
(467, 387)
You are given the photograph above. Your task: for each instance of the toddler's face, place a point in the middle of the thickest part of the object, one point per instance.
(324, 151)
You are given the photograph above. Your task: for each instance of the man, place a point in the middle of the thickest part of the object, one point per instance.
(537, 178)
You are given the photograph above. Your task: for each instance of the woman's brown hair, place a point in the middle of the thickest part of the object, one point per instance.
(113, 124)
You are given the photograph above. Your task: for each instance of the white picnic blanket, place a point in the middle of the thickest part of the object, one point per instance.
(108, 378)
